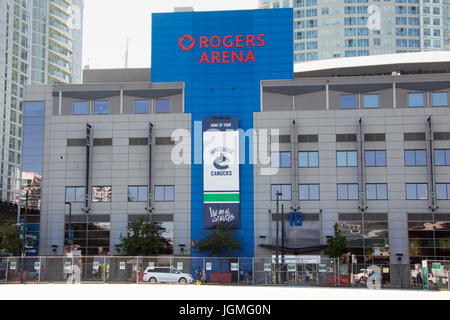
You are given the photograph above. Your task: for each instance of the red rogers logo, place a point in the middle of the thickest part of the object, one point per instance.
(182, 46)
(226, 56)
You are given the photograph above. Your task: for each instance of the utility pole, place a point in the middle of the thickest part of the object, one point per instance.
(70, 240)
(24, 235)
(278, 194)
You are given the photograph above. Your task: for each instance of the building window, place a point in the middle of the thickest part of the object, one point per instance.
(101, 107)
(164, 193)
(443, 191)
(75, 194)
(101, 194)
(371, 101)
(97, 241)
(309, 192)
(439, 99)
(348, 101)
(280, 160)
(80, 107)
(376, 158)
(347, 158)
(348, 191)
(442, 157)
(137, 194)
(141, 106)
(284, 189)
(376, 191)
(415, 158)
(308, 159)
(163, 106)
(416, 191)
(416, 100)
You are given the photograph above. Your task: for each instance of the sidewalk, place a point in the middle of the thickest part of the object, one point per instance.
(204, 292)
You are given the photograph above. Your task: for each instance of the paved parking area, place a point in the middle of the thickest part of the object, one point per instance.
(203, 292)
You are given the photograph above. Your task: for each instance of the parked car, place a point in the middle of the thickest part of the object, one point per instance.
(166, 274)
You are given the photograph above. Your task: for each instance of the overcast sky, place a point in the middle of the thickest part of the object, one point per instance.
(107, 25)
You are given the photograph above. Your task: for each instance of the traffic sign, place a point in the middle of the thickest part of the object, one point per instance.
(436, 266)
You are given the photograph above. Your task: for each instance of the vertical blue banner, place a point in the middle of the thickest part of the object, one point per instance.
(222, 57)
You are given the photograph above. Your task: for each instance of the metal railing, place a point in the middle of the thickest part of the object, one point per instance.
(237, 271)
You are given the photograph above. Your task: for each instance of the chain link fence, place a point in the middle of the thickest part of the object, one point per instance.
(298, 271)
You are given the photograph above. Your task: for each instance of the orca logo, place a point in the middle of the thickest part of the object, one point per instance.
(221, 162)
(181, 42)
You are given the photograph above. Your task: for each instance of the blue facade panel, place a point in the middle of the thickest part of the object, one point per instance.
(229, 85)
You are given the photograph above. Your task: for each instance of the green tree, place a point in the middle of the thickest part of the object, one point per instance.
(144, 238)
(337, 244)
(221, 241)
(9, 238)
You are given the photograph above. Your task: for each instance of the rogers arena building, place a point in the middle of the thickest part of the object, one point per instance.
(223, 121)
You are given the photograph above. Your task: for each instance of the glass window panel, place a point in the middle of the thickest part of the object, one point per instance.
(159, 193)
(371, 190)
(286, 191)
(162, 106)
(381, 191)
(70, 194)
(410, 158)
(275, 160)
(313, 159)
(422, 191)
(303, 159)
(275, 189)
(352, 159)
(341, 159)
(80, 107)
(411, 192)
(441, 191)
(348, 101)
(342, 192)
(169, 193)
(106, 194)
(421, 158)
(370, 158)
(380, 158)
(132, 194)
(142, 194)
(439, 157)
(285, 159)
(439, 99)
(352, 192)
(314, 192)
(303, 192)
(141, 106)
(416, 100)
(371, 101)
(79, 194)
(448, 191)
(447, 157)
(101, 107)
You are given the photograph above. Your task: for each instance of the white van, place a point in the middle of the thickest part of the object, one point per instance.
(166, 274)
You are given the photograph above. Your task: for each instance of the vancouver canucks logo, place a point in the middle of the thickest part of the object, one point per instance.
(221, 162)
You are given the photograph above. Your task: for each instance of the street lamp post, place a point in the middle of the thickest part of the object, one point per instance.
(24, 234)
(278, 194)
(70, 227)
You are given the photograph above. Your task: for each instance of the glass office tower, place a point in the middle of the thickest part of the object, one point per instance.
(40, 43)
(325, 29)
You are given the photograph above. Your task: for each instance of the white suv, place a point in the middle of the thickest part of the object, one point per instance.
(166, 274)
